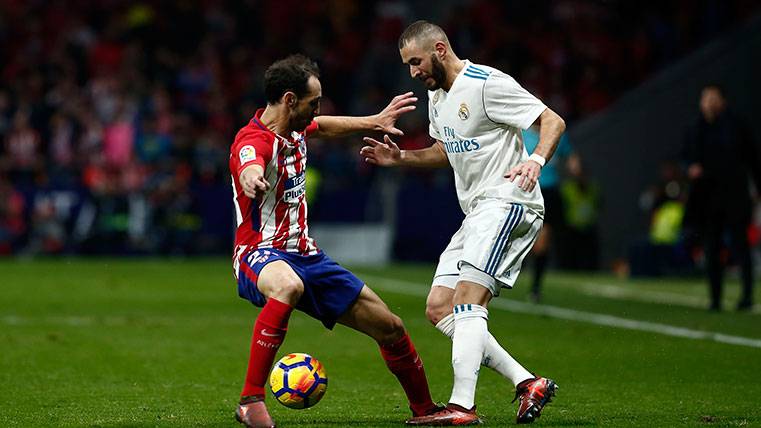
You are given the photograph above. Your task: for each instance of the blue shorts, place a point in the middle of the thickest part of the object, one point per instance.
(329, 289)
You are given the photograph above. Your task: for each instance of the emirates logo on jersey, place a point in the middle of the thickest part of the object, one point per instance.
(463, 112)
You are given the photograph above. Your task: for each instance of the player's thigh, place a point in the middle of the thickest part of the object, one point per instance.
(499, 235)
(439, 301)
(488, 229)
(447, 270)
(541, 246)
(509, 261)
(370, 315)
(279, 281)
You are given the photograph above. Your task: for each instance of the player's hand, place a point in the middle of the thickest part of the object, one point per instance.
(527, 173)
(386, 119)
(253, 183)
(383, 154)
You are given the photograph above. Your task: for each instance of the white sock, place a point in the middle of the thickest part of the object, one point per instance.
(495, 356)
(468, 343)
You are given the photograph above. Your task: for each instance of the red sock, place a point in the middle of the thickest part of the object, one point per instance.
(269, 332)
(405, 363)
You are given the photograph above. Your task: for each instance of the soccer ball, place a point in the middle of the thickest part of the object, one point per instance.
(298, 381)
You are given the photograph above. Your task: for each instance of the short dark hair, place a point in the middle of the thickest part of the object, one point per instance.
(420, 30)
(289, 74)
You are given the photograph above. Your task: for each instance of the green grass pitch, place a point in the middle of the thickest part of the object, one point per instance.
(138, 343)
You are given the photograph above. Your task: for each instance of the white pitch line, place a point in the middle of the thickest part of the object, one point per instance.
(616, 292)
(414, 289)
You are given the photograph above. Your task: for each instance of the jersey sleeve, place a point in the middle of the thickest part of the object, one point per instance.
(506, 102)
(311, 128)
(251, 149)
(433, 128)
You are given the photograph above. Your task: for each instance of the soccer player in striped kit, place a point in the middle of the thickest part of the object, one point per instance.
(277, 265)
(476, 114)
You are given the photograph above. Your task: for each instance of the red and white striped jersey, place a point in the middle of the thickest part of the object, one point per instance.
(279, 219)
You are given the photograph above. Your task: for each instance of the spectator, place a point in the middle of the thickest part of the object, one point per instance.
(580, 198)
(721, 158)
(12, 221)
(23, 147)
(665, 250)
(116, 98)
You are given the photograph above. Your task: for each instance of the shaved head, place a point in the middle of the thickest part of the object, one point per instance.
(424, 34)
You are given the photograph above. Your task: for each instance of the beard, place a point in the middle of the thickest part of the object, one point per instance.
(298, 122)
(437, 76)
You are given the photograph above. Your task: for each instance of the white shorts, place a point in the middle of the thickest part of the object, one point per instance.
(494, 238)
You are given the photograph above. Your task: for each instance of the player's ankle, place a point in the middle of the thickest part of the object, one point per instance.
(424, 409)
(454, 406)
(248, 399)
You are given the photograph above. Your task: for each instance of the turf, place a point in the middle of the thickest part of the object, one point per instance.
(164, 343)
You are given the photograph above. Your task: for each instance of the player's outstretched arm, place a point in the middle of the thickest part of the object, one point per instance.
(253, 182)
(551, 127)
(385, 121)
(388, 153)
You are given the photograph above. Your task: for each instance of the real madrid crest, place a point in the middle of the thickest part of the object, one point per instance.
(463, 113)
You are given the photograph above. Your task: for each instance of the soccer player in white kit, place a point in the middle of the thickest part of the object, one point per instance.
(476, 115)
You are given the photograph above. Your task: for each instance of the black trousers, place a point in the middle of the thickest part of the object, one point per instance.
(717, 225)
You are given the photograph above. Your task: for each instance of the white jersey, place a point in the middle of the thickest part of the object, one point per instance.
(479, 122)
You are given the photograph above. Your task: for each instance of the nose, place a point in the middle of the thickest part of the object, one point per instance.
(414, 71)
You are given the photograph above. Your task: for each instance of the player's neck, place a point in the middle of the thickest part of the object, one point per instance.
(275, 119)
(453, 71)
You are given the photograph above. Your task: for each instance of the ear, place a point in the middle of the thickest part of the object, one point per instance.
(441, 50)
(290, 99)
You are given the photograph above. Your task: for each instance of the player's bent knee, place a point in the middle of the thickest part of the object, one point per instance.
(435, 313)
(288, 290)
(292, 287)
(439, 303)
(437, 307)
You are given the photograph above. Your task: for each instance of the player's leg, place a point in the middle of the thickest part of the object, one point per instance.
(540, 251)
(281, 287)
(439, 312)
(439, 309)
(470, 335)
(370, 315)
(739, 238)
(534, 392)
(468, 345)
(438, 304)
(714, 266)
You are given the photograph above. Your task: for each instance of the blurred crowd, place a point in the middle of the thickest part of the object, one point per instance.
(116, 117)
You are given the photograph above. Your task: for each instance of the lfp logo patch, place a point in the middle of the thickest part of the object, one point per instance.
(247, 154)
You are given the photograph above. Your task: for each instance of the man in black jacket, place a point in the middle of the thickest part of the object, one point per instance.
(721, 157)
